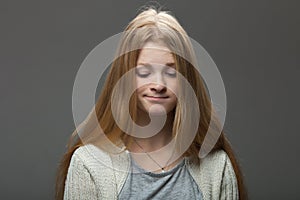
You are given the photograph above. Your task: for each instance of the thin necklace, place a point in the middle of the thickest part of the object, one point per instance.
(161, 167)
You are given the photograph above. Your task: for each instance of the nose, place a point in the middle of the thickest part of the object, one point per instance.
(158, 85)
(159, 88)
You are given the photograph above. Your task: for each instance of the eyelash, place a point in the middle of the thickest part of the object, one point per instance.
(144, 75)
(173, 74)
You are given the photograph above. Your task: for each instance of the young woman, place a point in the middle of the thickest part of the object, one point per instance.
(150, 127)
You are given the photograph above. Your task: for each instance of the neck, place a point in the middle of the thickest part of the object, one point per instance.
(159, 140)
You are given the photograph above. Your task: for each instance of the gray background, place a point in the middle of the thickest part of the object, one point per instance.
(255, 45)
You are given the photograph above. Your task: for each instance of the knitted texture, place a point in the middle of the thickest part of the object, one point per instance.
(94, 174)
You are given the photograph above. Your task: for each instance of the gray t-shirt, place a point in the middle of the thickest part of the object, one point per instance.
(176, 183)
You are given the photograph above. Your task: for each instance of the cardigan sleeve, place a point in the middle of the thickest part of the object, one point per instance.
(79, 182)
(229, 188)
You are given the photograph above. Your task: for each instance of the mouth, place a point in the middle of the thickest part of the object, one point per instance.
(156, 98)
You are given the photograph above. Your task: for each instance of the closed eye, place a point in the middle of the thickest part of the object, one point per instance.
(142, 72)
(171, 72)
(143, 75)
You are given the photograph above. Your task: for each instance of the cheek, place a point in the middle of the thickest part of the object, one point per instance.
(140, 83)
(140, 88)
(173, 87)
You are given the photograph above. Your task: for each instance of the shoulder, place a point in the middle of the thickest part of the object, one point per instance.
(216, 160)
(107, 170)
(80, 181)
(88, 159)
(94, 158)
(90, 173)
(215, 175)
(90, 155)
(211, 166)
(97, 162)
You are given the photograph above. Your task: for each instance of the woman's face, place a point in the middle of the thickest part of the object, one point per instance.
(156, 79)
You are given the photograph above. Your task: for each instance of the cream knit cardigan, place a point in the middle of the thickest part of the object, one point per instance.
(94, 174)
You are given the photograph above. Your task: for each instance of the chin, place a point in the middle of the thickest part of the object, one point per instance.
(159, 110)
(155, 109)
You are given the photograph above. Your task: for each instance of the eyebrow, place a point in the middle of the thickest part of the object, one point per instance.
(170, 64)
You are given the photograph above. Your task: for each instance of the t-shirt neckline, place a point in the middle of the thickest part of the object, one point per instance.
(157, 174)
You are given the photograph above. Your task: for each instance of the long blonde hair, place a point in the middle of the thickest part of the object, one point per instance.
(155, 26)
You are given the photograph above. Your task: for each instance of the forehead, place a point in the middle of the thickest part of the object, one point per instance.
(155, 53)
